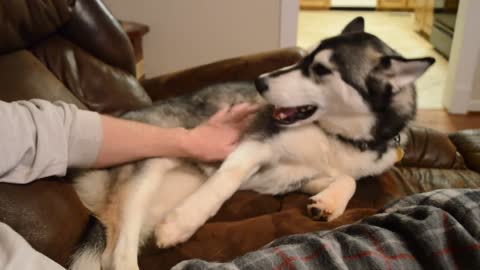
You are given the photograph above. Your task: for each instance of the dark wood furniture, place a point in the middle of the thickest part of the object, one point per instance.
(136, 32)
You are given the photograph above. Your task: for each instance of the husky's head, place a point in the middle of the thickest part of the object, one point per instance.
(353, 84)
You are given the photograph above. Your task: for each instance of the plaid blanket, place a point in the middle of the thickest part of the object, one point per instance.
(434, 230)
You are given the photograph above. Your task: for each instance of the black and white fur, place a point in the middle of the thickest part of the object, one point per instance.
(336, 117)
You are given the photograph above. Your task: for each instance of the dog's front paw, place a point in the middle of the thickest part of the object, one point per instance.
(123, 267)
(324, 209)
(122, 258)
(173, 230)
(119, 265)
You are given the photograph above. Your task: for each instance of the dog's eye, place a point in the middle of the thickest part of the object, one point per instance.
(320, 70)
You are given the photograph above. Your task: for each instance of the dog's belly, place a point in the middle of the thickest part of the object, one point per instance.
(280, 178)
(176, 186)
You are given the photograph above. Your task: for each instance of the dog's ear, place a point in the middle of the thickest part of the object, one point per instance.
(401, 72)
(356, 25)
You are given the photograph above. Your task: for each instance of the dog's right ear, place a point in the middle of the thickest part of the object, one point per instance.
(400, 71)
(355, 26)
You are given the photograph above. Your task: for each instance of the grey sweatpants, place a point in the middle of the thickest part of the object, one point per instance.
(40, 139)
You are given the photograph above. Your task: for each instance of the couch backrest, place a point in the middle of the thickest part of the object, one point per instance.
(74, 51)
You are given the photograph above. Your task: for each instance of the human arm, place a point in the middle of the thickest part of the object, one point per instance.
(125, 140)
(39, 139)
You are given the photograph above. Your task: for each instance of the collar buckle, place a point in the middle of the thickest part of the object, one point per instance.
(396, 139)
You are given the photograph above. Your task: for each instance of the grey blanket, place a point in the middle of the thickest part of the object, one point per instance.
(434, 230)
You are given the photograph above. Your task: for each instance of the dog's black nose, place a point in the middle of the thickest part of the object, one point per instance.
(261, 85)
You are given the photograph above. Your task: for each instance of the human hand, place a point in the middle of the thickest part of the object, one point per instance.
(218, 136)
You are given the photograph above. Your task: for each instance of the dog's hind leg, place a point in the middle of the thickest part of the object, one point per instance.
(184, 220)
(122, 250)
(331, 201)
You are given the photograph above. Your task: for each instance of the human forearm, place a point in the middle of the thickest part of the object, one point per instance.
(125, 141)
(40, 139)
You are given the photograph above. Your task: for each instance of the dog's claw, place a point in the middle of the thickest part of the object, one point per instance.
(322, 211)
(169, 237)
(318, 214)
(172, 232)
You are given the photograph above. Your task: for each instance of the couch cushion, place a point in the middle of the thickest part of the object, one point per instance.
(250, 220)
(225, 236)
(47, 213)
(23, 22)
(99, 86)
(22, 77)
(428, 148)
(468, 144)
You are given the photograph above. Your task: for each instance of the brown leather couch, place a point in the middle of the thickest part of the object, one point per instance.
(76, 52)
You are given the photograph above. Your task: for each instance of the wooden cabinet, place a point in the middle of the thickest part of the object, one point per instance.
(314, 4)
(451, 5)
(392, 4)
(424, 16)
(381, 4)
(396, 4)
(412, 4)
(135, 32)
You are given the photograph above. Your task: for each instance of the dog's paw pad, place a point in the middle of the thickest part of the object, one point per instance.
(120, 265)
(170, 234)
(321, 210)
(318, 214)
(166, 238)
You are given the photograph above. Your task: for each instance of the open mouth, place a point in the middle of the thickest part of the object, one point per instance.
(290, 115)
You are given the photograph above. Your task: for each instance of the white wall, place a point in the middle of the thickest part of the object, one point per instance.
(475, 103)
(289, 11)
(187, 33)
(476, 82)
(463, 67)
(353, 3)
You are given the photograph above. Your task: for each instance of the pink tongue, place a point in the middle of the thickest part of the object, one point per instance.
(286, 111)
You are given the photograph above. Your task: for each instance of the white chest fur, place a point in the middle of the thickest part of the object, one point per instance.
(306, 153)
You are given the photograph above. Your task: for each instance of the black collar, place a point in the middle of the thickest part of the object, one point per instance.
(379, 146)
(364, 145)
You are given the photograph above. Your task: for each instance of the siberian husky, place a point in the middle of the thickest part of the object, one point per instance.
(337, 115)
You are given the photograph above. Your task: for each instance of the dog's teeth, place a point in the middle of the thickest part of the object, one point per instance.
(282, 115)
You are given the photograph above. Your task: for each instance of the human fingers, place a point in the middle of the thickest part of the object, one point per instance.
(220, 115)
(240, 111)
(244, 123)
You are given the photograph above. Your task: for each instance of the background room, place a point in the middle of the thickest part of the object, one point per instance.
(184, 34)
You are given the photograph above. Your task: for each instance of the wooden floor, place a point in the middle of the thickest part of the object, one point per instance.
(442, 121)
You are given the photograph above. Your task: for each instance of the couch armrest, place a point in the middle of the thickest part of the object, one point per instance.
(468, 144)
(236, 69)
(428, 148)
(106, 39)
